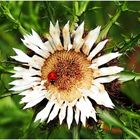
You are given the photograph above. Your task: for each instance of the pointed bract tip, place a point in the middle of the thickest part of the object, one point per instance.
(32, 31)
(15, 49)
(51, 24)
(68, 22)
(99, 28)
(26, 107)
(36, 119)
(106, 40)
(68, 126)
(22, 39)
(11, 83)
(82, 24)
(57, 23)
(21, 102)
(66, 25)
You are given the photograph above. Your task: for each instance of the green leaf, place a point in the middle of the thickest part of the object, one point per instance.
(86, 133)
(13, 120)
(131, 89)
(60, 132)
(76, 7)
(75, 131)
(5, 70)
(94, 8)
(83, 7)
(129, 75)
(130, 114)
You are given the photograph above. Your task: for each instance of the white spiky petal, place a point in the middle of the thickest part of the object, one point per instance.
(32, 86)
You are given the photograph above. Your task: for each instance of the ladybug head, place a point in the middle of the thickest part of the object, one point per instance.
(52, 77)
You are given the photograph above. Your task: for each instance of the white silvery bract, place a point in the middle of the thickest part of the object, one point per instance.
(70, 101)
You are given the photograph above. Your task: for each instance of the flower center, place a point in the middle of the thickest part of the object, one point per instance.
(68, 72)
(65, 73)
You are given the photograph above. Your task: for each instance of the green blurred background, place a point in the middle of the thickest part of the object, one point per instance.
(121, 22)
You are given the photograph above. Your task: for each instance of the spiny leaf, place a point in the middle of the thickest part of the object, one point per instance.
(16, 24)
(111, 119)
(128, 44)
(112, 21)
(68, 9)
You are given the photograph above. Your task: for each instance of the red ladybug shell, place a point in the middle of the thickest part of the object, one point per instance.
(52, 76)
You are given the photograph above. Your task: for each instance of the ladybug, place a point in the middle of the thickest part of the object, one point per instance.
(52, 77)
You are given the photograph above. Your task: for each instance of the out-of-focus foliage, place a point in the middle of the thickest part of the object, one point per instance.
(120, 23)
